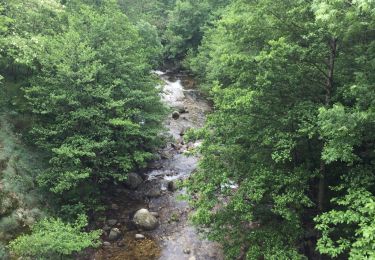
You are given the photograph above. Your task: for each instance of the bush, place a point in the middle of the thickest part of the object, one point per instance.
(51, 238)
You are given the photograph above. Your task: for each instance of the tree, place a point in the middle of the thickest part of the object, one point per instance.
(187, 22)
(287, 125)
(347, 129)
(184, 27)
(4, 22)
(154, 12)
(97, 112)
(51, 238)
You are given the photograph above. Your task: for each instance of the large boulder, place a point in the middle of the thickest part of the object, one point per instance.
(145, 220)
(133, 180)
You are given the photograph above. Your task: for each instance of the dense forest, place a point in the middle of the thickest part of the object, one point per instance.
(287, 161)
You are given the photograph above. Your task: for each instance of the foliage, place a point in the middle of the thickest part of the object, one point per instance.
(184, 27)
(292, 85)
(77, 89)
(288, 153)
(20, 199)
(154, 12)
(51, 238)
(187, 22)
(95, 106)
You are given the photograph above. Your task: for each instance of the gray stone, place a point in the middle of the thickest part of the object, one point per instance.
(143, 219)
(181, 109)
(133, 180)
(120, 243)
(114, 234)
(106, 228)
(106, 243)
(112, 222)
(114, 206)
(187, 251)
(151, 189)
(155, 214)
(139, 236)
(165, 155)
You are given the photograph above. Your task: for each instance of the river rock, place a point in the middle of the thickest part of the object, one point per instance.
(139, 236)
(133, 180)
(120, 243)
(106, 228)
(112, 222)
(114, 234)
(181, 109)
(151, 189)
(114, 206)
(143, 219)
(187, 251)
(175, 115)
(172, 186)
(165, 154)
(155, 214)
(154, 192)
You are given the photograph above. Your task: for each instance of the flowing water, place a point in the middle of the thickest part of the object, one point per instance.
(175, 238)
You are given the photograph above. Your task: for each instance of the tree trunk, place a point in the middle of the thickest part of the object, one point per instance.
(321, 187)
(328, 100)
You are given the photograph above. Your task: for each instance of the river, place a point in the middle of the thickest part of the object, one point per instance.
(175, 238)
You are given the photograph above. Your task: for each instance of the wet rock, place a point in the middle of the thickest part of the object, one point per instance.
(112, 222)
(156, 164)
(106, 228)
(181, 109)
(165, 155)
(139, 236)
(175, 115)
(120, 243)
(133, 180)
(155, 214)
(106, 243)
(143, 219)
(151, 189)
(154, 192)
(114, 206)
(172, 186)
(176, 146)
(114, 234)
(187, 251)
